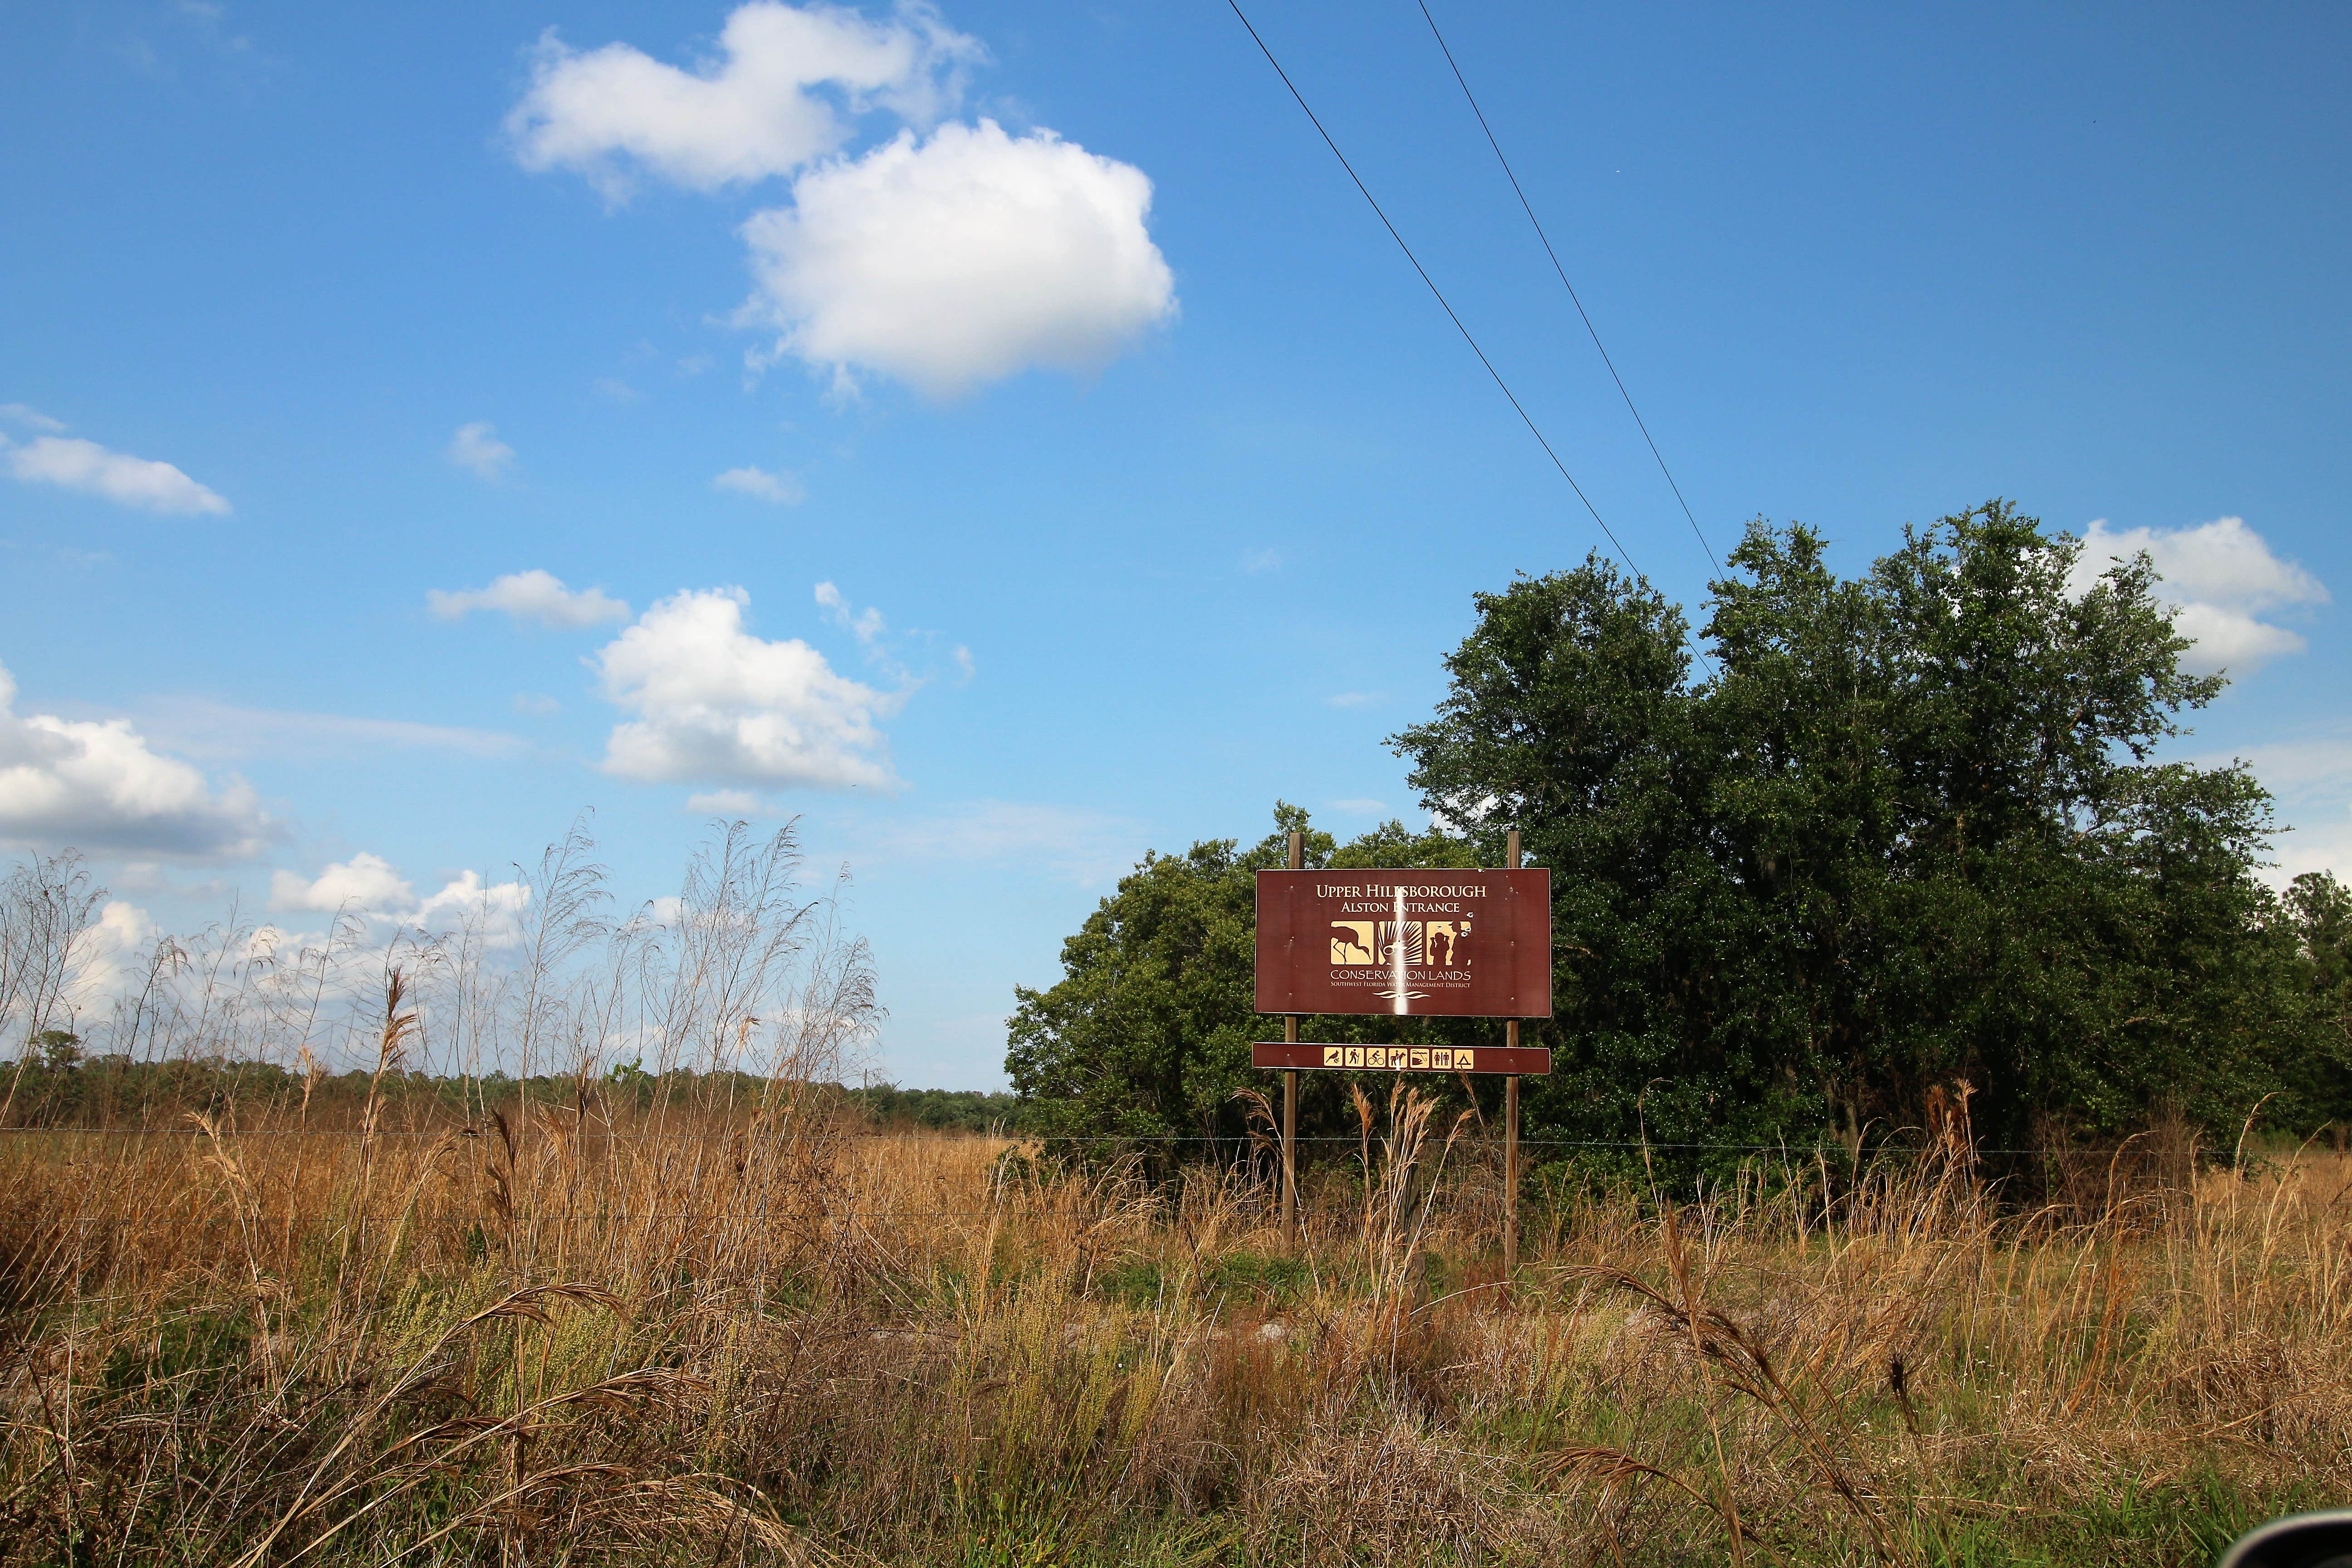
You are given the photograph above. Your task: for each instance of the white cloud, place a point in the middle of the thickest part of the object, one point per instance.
(497, 907)
(26, 415)
(1083, 847)
(1358, 808)
(747, 115)
(371, 885)
(782, 489)
(98, 787)
(729, 802)
(74, 464)
(944, 260)
(2219, 577)
(960, 258)
(716, 704)
(2317, 767)
(477, 448)
(111, 947)
(1355, 699)
(2311, 776)
(2317, 843)
(536, 702)
(203, 728)
(533, 596)
(866, 626)
(1256, 561)
(362, 882)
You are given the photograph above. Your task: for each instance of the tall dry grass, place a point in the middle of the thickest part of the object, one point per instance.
(760, 1334)
(728, 1323)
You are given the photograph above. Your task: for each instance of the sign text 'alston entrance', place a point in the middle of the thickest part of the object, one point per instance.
(1456, 943)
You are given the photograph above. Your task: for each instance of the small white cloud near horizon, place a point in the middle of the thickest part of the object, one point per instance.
(959, 258)
(2310, 777)
(777, 489)
(753, 112)
(477, 448)
(1355, 699)
(1358, 808)
(369, 885)
(536, 596)
(2219, 577)
(71, 463)
(1258, 562)
(715, 704)
(98, 787)
(362, 882)
(729, 802)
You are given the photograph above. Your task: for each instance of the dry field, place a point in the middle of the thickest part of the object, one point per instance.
(766, 1335)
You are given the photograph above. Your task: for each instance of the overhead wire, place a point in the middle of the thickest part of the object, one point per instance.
(1451, 315)
(1528, 208)
(1439, 294)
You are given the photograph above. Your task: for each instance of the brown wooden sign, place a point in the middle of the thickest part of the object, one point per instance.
(1308, 1056)
(1470, 944)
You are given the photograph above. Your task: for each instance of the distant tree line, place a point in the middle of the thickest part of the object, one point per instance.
(54, 1083)
(1899, 837)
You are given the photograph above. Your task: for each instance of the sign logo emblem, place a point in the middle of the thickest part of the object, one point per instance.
(1442, 944)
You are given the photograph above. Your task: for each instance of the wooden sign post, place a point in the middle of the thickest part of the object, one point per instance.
(1290, 1099)
(1511, 1098)
(1404, 943)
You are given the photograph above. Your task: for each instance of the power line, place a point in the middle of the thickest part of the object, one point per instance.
(1435, 290)
(1529, 208)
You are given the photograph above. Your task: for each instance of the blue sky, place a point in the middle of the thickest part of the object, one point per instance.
(1149, 483)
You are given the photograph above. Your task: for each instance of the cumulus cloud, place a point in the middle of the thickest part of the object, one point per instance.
(111, 950)
(961, 258)
(534, 595)
(715, 704)
(780, 489)
(496, 908)
(371, 885)
(71, 463)
(477, 448)
(944, 257)
(362, 882)
(2219, 578)
(99, 786)
(782, 91)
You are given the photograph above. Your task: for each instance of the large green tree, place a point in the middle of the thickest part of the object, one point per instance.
(1896, 833)
(1904, 830)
